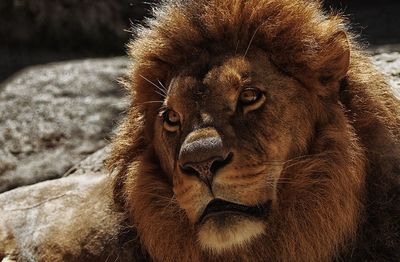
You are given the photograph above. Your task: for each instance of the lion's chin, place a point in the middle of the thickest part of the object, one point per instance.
(222, 233)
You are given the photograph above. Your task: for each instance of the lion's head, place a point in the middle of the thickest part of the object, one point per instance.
(237, 142)
(226, 128)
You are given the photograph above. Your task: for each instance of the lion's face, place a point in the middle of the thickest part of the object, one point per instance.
(223, 135)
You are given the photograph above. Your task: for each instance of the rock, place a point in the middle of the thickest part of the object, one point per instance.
(388, 48)
(68, 219)
(390, 65)
(53, 116)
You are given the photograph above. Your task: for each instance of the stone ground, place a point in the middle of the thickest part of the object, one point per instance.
(390, 64)
(53, 116)
(37, 222)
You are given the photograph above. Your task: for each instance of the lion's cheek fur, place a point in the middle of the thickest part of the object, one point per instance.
(191, 195)
(163, 227)
(323, 206)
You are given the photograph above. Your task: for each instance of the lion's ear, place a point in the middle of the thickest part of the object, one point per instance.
(335, 59)
(331, 65)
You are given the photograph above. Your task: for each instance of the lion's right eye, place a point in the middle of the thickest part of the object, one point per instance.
(172, 120)
(249, 96)
(251, 99)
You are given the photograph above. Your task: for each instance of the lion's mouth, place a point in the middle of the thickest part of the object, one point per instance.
(219, 207)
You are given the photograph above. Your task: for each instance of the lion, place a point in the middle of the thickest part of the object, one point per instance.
(258, 130)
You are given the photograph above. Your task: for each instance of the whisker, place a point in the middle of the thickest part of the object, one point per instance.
(258, 164)
(251, 40)
(160, 197)
(162, 107)
(272, 181)
(159, 88)
(237, 46)
(285, 163)
(164, 88)
(161, 94)
(150, 102)
(171, 202)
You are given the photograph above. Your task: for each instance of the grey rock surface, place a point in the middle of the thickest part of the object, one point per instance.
(67, 219)
(53, 116)
(390, 65)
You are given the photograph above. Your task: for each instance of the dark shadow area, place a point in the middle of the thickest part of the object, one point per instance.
(377, 22)
(41, 31)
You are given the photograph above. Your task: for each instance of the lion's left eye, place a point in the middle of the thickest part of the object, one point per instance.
(172, 120)
(249, 96)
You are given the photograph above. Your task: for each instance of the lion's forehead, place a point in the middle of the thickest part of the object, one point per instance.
(197, 95)
(195, 88)
(218, 77)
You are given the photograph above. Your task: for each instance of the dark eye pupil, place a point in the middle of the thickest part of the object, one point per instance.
(172, 117)
(249, 96)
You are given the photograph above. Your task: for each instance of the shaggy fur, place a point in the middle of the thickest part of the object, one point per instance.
(337, 193)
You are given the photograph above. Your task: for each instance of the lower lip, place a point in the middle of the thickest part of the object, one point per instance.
(224, 214)
(236, 213)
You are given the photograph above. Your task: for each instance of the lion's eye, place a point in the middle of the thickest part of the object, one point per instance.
(171, 120)
(251, 99)
(249, 96)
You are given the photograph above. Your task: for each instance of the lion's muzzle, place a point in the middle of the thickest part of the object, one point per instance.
(202, 154)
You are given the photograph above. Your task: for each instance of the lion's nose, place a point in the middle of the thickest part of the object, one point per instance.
(206, 170)
(203, 156)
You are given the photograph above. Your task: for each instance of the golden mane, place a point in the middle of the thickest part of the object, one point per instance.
(361, 129)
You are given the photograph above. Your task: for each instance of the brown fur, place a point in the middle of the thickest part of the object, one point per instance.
(330, 123)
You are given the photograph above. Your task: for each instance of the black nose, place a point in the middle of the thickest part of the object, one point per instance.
(202, 154)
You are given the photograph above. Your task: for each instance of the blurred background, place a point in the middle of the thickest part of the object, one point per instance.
(40, 31)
